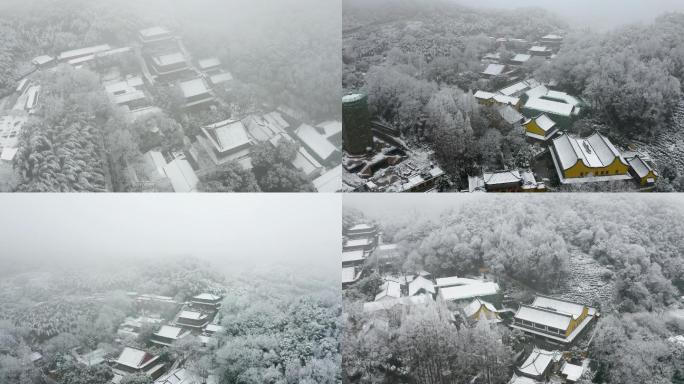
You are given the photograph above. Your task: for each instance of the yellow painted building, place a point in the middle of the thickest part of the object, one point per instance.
(540, 128)
(594, 156)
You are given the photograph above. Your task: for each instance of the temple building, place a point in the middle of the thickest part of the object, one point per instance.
(192, 319)
(361, 230)
(206, 301)
(556, 320)
(539, 364)
(593, 158)
(460, 289)
(563, 108)
(363, 244)
(480, 310)
(643, 171)
(540, 128)
(132, 360)
(154, 35)
(225, 141)
(196, 92)
(167, 335)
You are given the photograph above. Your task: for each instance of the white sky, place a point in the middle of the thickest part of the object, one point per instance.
(233, 229)
(600, 14)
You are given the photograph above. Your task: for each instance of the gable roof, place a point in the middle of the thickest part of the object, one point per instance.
(169, 332)
(469, 291)
(521, 57)
(574, 309)
(227, 135)
(550, 318)
(355, 255)
(595, 151)
(390, 289)
(544, 122)
(510, 114)
(538, 362)
(318, 143)
(494, 69)
(475, 306)
(502, 177)
(192, 315)
(135, 358)
(419, 283)
(639, 166)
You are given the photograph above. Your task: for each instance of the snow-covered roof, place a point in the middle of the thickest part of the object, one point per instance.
(552, 37)
(348, 256)
(506, 99)
(564, 97)
(67, 55)
(510, 114)
(475, 306)
(227, 135)
(469, 291)
(521, 57)
(537, 92)
(538, 48)
(502, 177)
(207, 296)
(571, 371)
(331, 181)
(154, 31)
(349, 274)
(194, 87)
(538, 362)
(389, 303)
(454, 280)
(514, 88)
(305, 162)
(639, 166)
(558, 305)
(546, 317)
(221, 78)
(352, 97)
(169, 332)
(42, 60)
(550, 106)
(209, 63)
(183, 178)
(214, 328)
(361, 227)
(419, 283)
(494, 69)
(318, 143)
(387, 247)
(357, 242)
(544, 122)
(192, 315)
(135, 358)
(596, 151)
(483, 95)
(330, 127)
(389, 289)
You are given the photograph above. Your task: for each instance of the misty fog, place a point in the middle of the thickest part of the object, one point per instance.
(599, 15)
(228, 231)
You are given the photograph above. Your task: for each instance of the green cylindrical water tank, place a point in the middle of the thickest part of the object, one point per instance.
(356, 131)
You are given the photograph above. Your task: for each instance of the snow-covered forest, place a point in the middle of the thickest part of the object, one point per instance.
(421, 62)
(274, 329)
(622, 254)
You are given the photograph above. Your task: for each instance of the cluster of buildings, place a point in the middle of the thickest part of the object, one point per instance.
(161, 57)
(551, 324)
(545, 115)
(196, 317)
(509, 68)
(376, 159)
